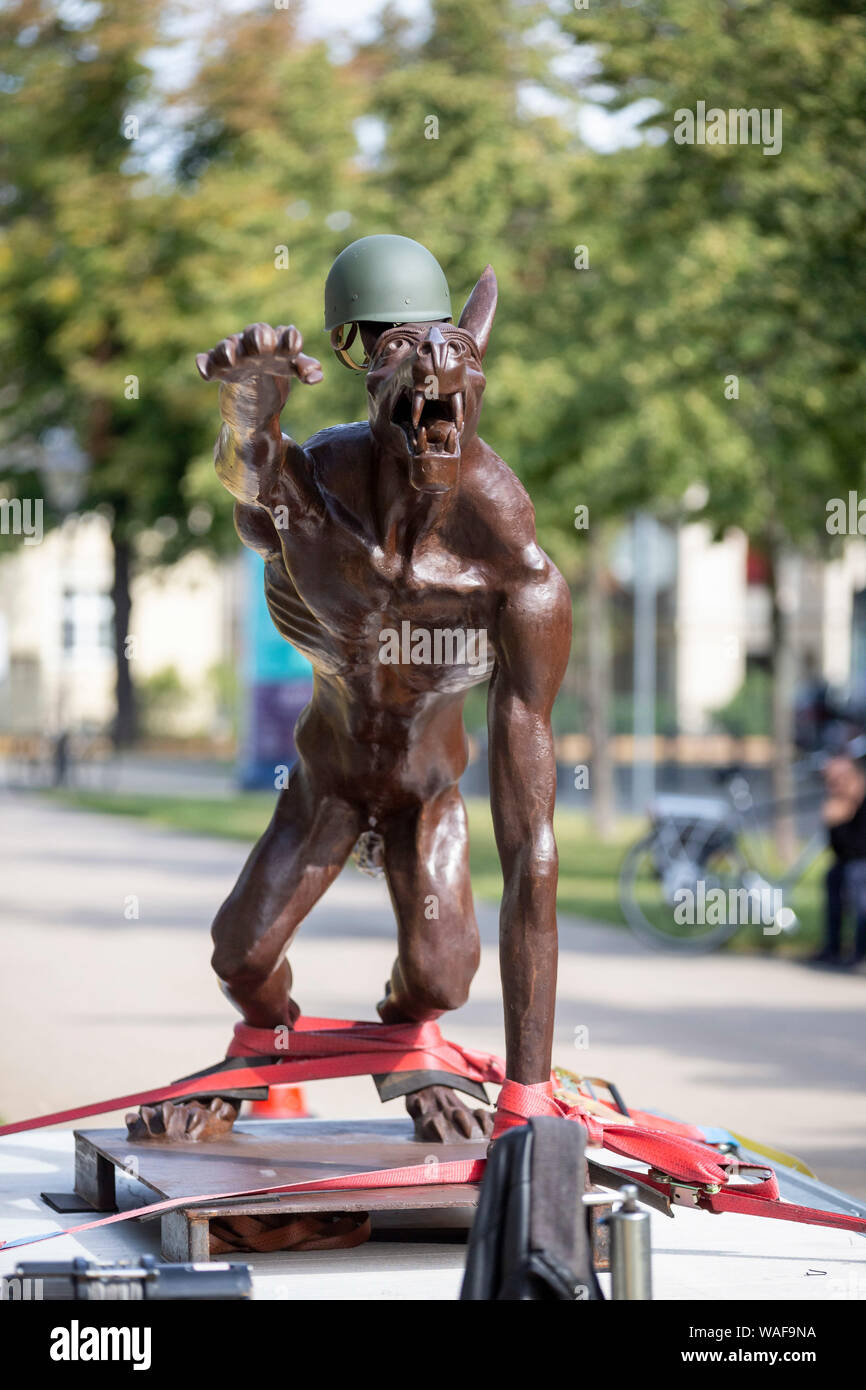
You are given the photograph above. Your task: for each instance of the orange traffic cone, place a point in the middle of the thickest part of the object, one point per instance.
(283, 1103)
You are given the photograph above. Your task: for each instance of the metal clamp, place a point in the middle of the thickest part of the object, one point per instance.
(685, 1194)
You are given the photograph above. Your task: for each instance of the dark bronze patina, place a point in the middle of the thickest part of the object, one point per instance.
(409, 518)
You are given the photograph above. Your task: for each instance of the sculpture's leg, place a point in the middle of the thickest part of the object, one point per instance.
(310, 836)
(426, 851)
(308, 841)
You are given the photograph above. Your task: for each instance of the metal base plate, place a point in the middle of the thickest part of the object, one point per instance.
(71, 1201)
(261, 1153)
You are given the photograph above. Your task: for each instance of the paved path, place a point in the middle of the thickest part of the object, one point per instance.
(95, 1003)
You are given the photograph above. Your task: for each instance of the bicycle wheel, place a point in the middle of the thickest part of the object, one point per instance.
(650, 898)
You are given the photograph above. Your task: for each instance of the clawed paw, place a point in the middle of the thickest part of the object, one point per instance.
(189, 1120)
(441, 1117)
(259, 350)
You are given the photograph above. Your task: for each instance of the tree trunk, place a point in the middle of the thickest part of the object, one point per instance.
(126, 713)
(784, 694)
(599, 685)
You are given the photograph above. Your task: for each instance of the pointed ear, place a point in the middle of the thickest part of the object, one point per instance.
(480, 309)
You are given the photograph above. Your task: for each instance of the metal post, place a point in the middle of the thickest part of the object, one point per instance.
(644, 719)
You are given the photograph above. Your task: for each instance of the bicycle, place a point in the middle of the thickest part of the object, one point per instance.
(695, 857)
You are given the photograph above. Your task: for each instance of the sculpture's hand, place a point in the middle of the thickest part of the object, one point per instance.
(255, 370)
(260, 351)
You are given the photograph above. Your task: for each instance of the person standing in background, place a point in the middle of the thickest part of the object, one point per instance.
(844, 813)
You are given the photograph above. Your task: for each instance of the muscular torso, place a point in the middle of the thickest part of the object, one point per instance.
(336, 580)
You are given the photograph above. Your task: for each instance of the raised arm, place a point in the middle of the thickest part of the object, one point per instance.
(259, 464)
(532, 648)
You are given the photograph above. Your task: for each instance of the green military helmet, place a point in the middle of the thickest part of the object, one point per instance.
(382, 279)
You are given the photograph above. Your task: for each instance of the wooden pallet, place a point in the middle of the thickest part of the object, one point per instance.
(258, 1153)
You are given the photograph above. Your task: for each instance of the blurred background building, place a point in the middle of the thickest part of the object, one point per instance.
(57, 654)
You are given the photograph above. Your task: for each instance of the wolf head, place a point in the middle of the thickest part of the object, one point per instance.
(424, 386)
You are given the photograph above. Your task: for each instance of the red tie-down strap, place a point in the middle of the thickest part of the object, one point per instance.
(324, 1048)
(417, 1175)
(672, 1158)
(339, 1048)
(674, 1153)
(317, 1049)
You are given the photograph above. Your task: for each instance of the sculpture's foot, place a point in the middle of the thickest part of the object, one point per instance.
(441, 1117)
(187, 1120)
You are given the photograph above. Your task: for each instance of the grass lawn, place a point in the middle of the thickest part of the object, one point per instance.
(588, 867)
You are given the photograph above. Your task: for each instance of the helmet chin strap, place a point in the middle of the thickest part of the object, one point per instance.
(342, 341)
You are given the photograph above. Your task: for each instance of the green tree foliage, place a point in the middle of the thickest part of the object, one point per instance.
(722, 261)
(272, 190)
(719, 259)
(91, 280)
(121, 257)
(140, 226)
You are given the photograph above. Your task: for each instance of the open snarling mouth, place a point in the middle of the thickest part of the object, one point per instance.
(433, 427)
